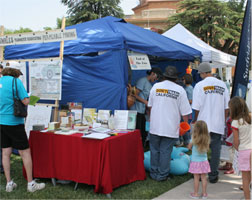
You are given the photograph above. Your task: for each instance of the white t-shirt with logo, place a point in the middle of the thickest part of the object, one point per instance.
(168, 102)
(210, 98)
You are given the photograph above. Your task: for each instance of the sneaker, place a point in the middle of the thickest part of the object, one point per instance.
(35, 187)
(10, 186)
(204, 196)
(193, 196)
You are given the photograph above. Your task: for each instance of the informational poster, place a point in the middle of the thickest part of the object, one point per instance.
(18, 65)
(139, 61)
(46, 79)
(38, 114)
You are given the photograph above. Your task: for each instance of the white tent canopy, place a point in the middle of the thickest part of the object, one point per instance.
(216, 58)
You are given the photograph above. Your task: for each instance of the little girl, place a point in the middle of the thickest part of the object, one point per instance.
(199, 165)
(241, 126)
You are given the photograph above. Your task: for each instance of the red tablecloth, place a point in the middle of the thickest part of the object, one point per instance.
(107, 163)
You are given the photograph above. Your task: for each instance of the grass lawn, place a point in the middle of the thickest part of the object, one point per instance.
(139, 190)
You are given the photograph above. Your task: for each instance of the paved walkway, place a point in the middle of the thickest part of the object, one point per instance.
(227, 188)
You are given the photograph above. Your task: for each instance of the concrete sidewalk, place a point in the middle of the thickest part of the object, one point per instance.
(227, 188)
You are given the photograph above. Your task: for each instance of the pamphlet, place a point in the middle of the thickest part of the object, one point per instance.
(132, 119)
(77, 115)
(95, 135)
(89, 115)
(33, 100)
(121, 119)
(103, 116)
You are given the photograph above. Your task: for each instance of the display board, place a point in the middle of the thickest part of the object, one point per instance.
(45, 80)
(38, 114)
(19, 65)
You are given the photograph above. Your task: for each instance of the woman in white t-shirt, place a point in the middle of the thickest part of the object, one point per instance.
(241, 126)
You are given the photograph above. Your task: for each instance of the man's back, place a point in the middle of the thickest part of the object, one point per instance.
(210, 98)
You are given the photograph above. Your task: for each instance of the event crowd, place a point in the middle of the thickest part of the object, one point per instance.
(207, 107)
(169, 100)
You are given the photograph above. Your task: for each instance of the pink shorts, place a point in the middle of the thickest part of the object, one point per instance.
(244, 160)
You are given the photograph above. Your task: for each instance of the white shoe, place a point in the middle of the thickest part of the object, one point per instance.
(10, 186)
(35, 187)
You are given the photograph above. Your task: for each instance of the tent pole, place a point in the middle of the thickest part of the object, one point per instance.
(56, 109)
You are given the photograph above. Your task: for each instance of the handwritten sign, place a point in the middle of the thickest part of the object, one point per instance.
(38, 37)
(139, 61)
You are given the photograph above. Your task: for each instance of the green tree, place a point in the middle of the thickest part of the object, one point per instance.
(20, 30)
(216, 22)
(85, 10)
(67, 22)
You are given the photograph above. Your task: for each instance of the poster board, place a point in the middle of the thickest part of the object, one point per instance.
(139, 61)
(37, 115)
(18, 65)
(46, 79)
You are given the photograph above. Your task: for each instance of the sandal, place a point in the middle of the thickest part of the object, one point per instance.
(229, 171)
(204, 196)
(193, 196)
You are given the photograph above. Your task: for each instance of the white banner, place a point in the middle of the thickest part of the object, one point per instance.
(38, 37)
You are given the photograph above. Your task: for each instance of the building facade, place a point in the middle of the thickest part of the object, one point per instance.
(153, 14)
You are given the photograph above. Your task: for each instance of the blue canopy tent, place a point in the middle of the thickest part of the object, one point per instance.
(100, 81)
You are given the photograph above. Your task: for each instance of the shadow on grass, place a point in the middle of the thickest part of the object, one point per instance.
(139, 190)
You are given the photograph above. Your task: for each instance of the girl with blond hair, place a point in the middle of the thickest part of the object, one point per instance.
(199, 165)
(241, 126)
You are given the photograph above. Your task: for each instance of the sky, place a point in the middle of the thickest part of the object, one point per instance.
(36, 14)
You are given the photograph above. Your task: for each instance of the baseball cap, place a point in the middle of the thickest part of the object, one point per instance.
(204, 68)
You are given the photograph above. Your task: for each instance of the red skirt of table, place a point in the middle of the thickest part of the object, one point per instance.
(107, 163)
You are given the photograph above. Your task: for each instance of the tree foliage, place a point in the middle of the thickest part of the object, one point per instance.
(85, 10)
(20, 30)
(216, 22)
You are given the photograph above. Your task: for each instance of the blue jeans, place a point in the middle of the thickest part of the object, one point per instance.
(160, 149)
(215, 147)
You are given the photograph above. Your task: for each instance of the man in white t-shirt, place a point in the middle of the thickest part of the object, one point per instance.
(210, 102)
(168, 102)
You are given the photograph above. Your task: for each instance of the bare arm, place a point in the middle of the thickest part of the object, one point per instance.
(226, 114)
(236, 141)
(139, 98)
(189, 146)
(185, 118)
(195, 116)
(26, 101)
